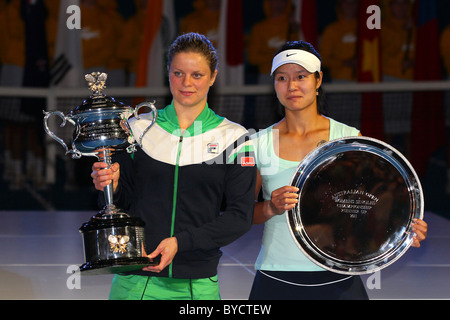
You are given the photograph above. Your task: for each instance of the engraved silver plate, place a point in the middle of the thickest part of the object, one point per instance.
(357, 200)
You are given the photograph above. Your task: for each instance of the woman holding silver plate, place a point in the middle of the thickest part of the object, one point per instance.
(283, 271)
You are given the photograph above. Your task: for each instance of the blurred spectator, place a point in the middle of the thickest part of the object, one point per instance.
(23, 151)
(97, 36)
(445, 49)
(339, 56)
(445, 53)
(204, 20)
(51, 23)
(264, 40)
(130, 41)
(115, 67)
(269, 34)
(133, 49)
(3, 36)
(398, 40)
(338, 45)
(36, 74)
(398, 47)
(13, 61)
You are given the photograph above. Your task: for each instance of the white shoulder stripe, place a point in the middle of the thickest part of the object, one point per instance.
(203, 147)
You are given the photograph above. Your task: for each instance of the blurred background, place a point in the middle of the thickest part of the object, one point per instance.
(390, 82)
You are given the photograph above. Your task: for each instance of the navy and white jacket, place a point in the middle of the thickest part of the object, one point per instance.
(177, 183)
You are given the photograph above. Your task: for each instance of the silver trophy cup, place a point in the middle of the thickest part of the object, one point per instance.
(113, 241)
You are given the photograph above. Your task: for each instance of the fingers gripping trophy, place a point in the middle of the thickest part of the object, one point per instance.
(113, 241)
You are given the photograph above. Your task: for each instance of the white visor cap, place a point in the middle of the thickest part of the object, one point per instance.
(301, 57)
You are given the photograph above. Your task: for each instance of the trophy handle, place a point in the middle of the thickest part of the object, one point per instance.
(75, 154)
(151, 105)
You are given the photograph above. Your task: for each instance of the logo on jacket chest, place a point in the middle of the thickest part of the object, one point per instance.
(213, 148)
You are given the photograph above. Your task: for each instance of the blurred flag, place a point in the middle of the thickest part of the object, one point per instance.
(308, 21)
(159, 32)
(67, 69)
(369, 70)
(231, 43)
(428, 127)
(231, 60)
(36, 72)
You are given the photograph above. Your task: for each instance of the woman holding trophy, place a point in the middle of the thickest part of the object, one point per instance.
(190, 161)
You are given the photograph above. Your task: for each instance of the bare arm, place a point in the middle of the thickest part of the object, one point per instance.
(282, 199)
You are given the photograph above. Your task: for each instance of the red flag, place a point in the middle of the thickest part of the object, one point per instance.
(369, 70)
(308, 22)
(152, 24)
(231, 43)
(235, 34)
(231, 55)
(428, 127)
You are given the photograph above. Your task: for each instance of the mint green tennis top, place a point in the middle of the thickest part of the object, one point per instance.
(279, 252)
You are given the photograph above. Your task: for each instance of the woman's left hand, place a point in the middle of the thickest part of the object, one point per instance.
(420, 228)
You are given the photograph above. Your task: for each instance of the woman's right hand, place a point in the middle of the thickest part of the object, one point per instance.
(282, 199)
(102, 177)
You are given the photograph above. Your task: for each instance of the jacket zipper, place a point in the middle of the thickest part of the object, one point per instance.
(175, 191)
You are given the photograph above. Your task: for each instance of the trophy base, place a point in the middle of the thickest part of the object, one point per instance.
(115, 266)
(113, 243)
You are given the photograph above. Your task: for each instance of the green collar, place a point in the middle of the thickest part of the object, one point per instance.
(206, 120)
